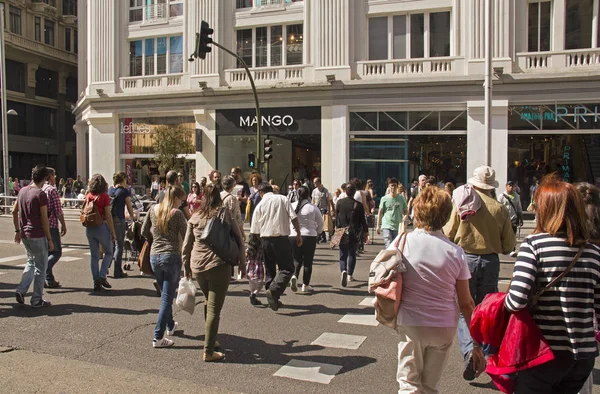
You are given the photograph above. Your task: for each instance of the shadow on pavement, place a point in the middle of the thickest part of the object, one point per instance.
(316, 309)
(27, 311)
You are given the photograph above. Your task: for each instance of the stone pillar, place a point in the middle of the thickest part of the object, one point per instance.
(81, 130)
(103, 146)
(206, 70)
(498, 138)
(103, 17)
(335, 145)
(329, 24)
(206, 159)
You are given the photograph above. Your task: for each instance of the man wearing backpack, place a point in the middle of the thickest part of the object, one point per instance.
(120, 198)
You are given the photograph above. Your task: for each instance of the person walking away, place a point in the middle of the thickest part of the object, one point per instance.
(166, 225)
(77, 186)
(241, 190)
(194, 199)
(322, 199)
(183, 183)
(155, 187)
(103, 235)
(271, 221)
(392, 209)
(310, 218)
(55, 215)
(255, 270)
(254, 199)
(211, 273)
(436, 277)
(232, 203)
(69, 191)
(350, 213)
(561, 234)
(485, 235)
(416, 189)
(512, 201)
(30, 218)
(120, 200)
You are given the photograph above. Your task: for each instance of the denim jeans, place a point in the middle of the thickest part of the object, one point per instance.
(99, 236)
(120, 229)
(35, 270)
(485, 271)
(348, 256)
(167, 269)
(53, 256)
(389, 236)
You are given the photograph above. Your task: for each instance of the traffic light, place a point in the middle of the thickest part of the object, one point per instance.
(203, 39)
(267, 149)
(251, 160)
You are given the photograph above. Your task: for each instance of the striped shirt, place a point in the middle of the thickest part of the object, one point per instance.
(564, 313)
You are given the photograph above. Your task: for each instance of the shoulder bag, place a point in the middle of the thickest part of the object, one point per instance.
(217, 235)
(386, 263)
(341, 236)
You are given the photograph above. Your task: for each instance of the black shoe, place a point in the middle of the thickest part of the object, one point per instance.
(20, 297)
(53, 285)
(104, 283)
(98, 287)
(254, 301)
(273, 302)
(469, 372)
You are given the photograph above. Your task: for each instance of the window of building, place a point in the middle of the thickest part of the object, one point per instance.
(149, 56)
(538, 39)
(46, 83)
(578, 24)
(68, 39)
(276, 45)
(295, 44)
(15, 20)
(38, 28)
(439, 34)
(44, 121)
(244, 46)
(69, 7)
(72, 88)
(16, 123)
(75, 41)
(399, 43)
(378, 38)
(153, 10)
(15, 76)
(175, 8)
(243, 4)
(49, 32)
(136, 10)
(265, 46)
(262, 47)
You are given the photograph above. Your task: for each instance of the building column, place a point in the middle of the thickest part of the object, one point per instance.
(81, 130)
(335, 146)
(498, 139)
(103, 146)
(206, 158)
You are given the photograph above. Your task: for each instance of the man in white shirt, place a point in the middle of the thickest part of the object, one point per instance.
(271, 220)
(322, 199)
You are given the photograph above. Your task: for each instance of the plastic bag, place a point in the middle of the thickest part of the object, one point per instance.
(186, 295)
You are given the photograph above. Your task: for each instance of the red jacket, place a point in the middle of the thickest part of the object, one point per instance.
(513, 342)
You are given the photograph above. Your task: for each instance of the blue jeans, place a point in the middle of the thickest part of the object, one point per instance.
(485, 271)
(120, 229)
(348, 256)
(389, 236)
(99, 236)
(53, 256)
(167, 269)
(35, 270)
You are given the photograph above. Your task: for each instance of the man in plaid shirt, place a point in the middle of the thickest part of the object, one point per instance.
(55, 214)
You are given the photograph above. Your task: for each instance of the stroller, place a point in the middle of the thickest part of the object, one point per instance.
(133, 244)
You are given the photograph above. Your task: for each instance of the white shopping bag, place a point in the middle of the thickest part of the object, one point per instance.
(186, 295)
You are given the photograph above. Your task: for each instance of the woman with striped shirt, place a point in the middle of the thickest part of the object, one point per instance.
(565, 312)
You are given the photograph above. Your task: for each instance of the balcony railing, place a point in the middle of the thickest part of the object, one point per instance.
(374, 69)
(153, 82)
(148, 14)
(38, 47)
(269, 75)
(263, 4)
(545, 61)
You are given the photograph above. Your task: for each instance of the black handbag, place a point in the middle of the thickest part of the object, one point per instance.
(220, 239)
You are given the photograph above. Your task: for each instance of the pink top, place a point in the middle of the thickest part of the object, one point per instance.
(193, 201)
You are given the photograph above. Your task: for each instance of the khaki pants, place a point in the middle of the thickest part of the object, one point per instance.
(422, 355)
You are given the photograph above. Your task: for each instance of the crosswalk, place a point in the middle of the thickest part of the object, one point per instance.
(321, 372)
(22, 258)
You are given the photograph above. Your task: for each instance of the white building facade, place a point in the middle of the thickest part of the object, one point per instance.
(348, 88)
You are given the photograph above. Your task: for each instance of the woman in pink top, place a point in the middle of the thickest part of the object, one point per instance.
(195, 197)
(437, 274)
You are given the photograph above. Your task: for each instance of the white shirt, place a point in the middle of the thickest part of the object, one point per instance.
(310, 219)
(272, 216)
(321, 198)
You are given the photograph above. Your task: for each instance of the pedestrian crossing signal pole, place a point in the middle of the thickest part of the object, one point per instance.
(203, 40)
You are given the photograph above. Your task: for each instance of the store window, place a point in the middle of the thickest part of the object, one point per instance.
(38, 28)
(579, 17)
(149, 56)
(409, 121)
(46, 83)
(49, 32)
(68, 39)
(539, 26)
(137, 134)
(410, 31)
(15, 20)
(15, 76)
(584, 116)
(270, 44)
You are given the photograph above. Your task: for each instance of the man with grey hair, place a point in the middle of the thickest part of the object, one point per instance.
(231, 201)
(173, 180)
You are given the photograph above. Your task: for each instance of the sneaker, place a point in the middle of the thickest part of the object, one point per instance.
(294, 284)
(350, 278)
(20, 297)
(513, 254)
(216, 356)
(165, 342)
(98, 287)
(344, 278)
(254, 301)
(104, 283)
(469, 371)
(239, 276)
(41, 304)
(272, 301)
(307, 289)
(172, 331)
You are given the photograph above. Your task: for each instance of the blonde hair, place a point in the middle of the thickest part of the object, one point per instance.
(432, 209)
(164, 208)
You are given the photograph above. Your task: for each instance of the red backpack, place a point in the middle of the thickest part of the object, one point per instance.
(90, 216)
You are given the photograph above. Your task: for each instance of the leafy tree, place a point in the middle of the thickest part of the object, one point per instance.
(169, 142)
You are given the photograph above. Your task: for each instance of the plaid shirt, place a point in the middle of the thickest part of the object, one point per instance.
(54, 205)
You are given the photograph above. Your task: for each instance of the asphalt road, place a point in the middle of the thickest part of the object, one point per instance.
(102, 342)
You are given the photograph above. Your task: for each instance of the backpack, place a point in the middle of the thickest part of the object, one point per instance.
(90, 216)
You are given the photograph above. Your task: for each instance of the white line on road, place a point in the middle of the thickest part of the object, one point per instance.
(12, 258)
(340, 341)
(363, 320)
(70, 258)
(309, 371)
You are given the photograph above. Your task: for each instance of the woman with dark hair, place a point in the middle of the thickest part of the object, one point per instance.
(103, 234)
(195, 197)
(565, 312)
(210, 271)
(254, 199)
(311, 224)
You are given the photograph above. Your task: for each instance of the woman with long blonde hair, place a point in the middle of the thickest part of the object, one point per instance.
(165, 224)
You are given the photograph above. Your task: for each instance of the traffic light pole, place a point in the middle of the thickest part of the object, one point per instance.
(258, 118)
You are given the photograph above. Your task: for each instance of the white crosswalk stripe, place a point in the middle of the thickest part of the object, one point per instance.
(363, 320)
(309, 371)
(340, 341)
